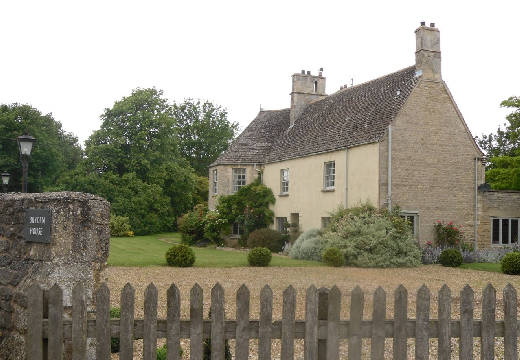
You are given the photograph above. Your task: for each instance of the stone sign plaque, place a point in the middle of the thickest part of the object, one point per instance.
(37, 225)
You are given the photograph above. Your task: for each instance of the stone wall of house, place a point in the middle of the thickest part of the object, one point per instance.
(78, 251)
(503, 204)
(433, 162)
(225, 180)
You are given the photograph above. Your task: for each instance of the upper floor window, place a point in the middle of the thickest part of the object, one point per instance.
(330, 175)
(239, 178)
(504, 231)
(215, 182)
(284, 181)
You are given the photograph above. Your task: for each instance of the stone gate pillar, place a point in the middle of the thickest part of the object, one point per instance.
(76, 251)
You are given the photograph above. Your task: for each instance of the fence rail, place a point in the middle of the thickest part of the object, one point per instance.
(321, 330)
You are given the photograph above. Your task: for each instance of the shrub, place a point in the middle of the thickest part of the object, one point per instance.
(333, 257)
(451, 258)
(368, 237)
(115, 313)
(259, 256)
(448, 234)
(120, 226)
(161, 353)
(191, 225)
(308, 246)
(267, 238)
(510, 264)
(180, 256)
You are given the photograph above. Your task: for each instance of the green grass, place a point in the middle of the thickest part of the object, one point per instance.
(493, 267)
(149, 250)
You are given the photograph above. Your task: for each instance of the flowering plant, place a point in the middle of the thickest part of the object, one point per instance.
(448, 234)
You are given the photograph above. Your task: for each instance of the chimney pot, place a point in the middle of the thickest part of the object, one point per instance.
(423, 23)
(432, 24)
(303, 72)
(308, 72)
(321, 69)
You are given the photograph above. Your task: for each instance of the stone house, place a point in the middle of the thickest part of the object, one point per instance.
(396, 140)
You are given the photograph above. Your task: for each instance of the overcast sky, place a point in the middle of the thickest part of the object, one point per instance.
(74, 59)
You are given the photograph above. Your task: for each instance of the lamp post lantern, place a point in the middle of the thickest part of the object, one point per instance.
(25, 144)
(5, 181)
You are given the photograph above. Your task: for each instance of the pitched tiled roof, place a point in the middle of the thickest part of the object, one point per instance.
(349, 117)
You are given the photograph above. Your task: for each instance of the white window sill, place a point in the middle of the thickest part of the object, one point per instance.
(328, 190)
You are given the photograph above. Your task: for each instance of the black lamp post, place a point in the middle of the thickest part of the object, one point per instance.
(5, 181)
(25, 144)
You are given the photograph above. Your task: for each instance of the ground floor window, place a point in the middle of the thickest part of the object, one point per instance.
(504, 231)
(280, 224)
(413, 221)
(237, 230)
(325, 221)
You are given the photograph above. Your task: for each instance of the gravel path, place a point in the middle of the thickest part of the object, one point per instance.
(434, 276)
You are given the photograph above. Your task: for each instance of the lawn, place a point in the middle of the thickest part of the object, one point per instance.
(493, 267)
(140, 251)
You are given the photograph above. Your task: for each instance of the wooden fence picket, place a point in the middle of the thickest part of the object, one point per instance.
(79, 322)
(55, 322)
(311, 324)
(35, 318)
(150, 323)
(242, 334)
(288, 317)
(217, 322)
(467, 297)
(196, 322)
(510, 323)
(444, 324)
(173, 322)
(422, 324)
(103, 322)
(333, 323)
(266, 319)
(126, 323)
(487, 339)
(400, 322)
(355, 341)
(323, 313)
(377, 346)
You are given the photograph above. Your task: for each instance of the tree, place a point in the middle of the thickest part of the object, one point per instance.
(54, 153)
(133, 161)
(204, 132)
(503, 150)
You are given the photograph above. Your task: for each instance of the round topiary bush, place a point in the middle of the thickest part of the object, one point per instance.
(267, 238)
(308, 246)
(259, 256)
(451, 258)
(180, 256)
(510, 264)
(333, 257)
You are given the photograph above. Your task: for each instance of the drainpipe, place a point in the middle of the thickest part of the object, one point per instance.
(476, 203)
(346, 178)
(389, 167)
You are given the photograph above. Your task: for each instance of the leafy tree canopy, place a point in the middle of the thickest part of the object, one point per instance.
(204, 132)
(54, 152)
(503, 150)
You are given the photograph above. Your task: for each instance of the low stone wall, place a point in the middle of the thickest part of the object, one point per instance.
(495, 203)
(77, 251)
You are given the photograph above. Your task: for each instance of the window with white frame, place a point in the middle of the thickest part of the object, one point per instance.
(215, 182)
(413, 221)
(329, 175)
(236, 230)
(280, 224)
(504, 231)
(239, 178)
(284, 181)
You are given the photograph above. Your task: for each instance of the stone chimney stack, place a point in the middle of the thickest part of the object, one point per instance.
(306, 88)
(428, 52)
